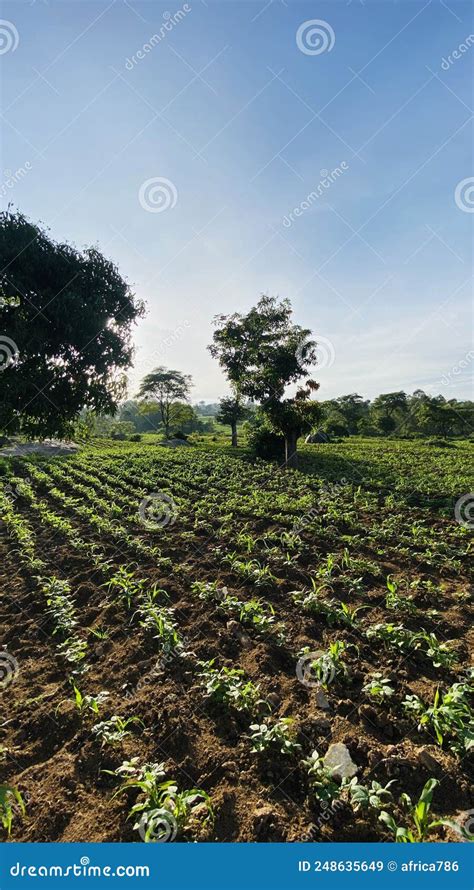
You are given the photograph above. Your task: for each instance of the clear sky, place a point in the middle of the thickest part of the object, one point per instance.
(243, 108)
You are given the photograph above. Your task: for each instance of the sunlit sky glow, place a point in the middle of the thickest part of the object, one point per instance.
(244, 125)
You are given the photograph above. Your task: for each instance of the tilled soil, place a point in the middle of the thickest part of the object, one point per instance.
(48, 752)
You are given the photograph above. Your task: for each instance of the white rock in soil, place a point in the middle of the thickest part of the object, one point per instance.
(338, 759)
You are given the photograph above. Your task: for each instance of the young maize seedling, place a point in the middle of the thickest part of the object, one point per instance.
(164, 811)
(397, 601)
(88, 702)
(11, 801)
(330, 665)
(449, 715)
(419, 815)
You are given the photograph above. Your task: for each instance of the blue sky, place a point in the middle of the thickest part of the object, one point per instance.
(243, 125)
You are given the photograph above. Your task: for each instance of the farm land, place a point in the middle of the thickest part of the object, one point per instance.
(190, 631)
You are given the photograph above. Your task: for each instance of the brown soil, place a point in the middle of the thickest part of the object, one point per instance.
(50, 755)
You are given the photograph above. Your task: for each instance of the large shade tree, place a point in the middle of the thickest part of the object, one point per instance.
(65, 330)
(166, 389)
(262, 353)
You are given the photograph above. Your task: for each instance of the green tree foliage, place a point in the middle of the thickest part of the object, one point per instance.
(167, 389)
(231, 410)
(395, 414)
(69, 315)
(346, 415)
(263, 352)
(389, 411)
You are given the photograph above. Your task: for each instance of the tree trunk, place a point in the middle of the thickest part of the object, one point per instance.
(291, 455)
(233, 427)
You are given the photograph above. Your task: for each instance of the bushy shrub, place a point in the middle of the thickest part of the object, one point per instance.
(265, 443)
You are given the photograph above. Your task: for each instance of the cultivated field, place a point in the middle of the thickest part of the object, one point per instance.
(226, 619)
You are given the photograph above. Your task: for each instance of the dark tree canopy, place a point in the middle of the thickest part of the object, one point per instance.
(263, 352)
(69, 315)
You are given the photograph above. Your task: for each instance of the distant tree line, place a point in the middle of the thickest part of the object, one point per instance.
(397, 414)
